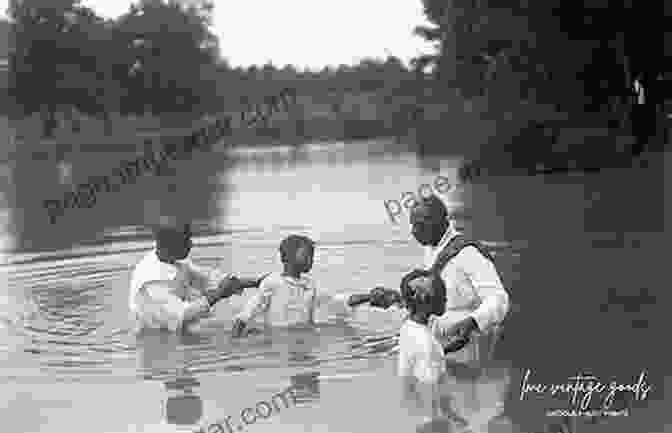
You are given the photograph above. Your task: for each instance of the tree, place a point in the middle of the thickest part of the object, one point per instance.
(480, 42)
(41, 30)
(168, 64)
(95, 80)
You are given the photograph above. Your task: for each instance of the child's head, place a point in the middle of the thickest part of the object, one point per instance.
(296, 252)
(423, 293)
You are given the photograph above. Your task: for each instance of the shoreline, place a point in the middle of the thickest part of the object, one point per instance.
(609, 151)
(496, 164)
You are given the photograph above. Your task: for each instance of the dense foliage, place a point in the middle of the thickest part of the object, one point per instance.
(162, 57)
(149, 59)
(576, 55)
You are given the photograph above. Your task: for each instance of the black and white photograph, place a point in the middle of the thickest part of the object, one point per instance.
(408, 216)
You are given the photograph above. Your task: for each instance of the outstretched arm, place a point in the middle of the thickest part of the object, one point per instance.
(200, 278)
(257, 304)
(378, 297)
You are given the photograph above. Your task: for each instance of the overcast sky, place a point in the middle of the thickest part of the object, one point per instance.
(306, 32)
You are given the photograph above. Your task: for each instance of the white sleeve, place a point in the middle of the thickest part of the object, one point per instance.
(485, 279)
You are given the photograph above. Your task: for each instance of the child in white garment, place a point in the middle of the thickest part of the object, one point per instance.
(421, 363)
(446, 402)
(289, 298)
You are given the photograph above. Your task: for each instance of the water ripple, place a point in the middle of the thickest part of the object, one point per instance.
(78, 329)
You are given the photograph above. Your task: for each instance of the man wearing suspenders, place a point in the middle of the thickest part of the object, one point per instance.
(476, 301)
(476, 304)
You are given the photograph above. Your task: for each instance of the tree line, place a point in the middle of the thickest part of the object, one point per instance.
(161, 56)
(580, 56)
(148, 59)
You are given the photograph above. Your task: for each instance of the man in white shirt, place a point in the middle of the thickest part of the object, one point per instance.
(476, 301)
(169, 291)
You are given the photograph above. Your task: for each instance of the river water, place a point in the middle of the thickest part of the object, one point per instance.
(583, 257)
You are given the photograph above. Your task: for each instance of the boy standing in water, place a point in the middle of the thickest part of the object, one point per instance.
(421, 361)
(429, 386)
(290, 298)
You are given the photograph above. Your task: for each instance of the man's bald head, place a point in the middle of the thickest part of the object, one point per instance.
(170, 229)
(429, 220)
(173, 240)
(430, 207)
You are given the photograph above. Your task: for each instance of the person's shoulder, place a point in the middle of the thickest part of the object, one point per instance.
(406, 328)
(469, 249)
(419, 333)
(417, 341)
(145, 259)
(145, 266)
(472, 253)
(187, 263)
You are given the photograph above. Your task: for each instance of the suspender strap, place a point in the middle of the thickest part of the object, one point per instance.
(453, 248)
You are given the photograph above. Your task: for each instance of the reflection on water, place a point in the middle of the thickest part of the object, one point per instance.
(130, 204)
(184, 407)
(166, 358)
(306, 387)
(476, 401)
(65, 332)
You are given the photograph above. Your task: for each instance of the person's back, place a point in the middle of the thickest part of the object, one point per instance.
(289, 298)
(283, 300)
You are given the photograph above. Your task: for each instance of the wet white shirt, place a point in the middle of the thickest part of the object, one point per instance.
(162, 293)
(473, 288)
(420, 354)
(283, 300)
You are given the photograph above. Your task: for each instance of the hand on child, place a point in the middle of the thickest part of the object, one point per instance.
(459, 333)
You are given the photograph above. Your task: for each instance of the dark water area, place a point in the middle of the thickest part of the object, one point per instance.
(582, 255)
